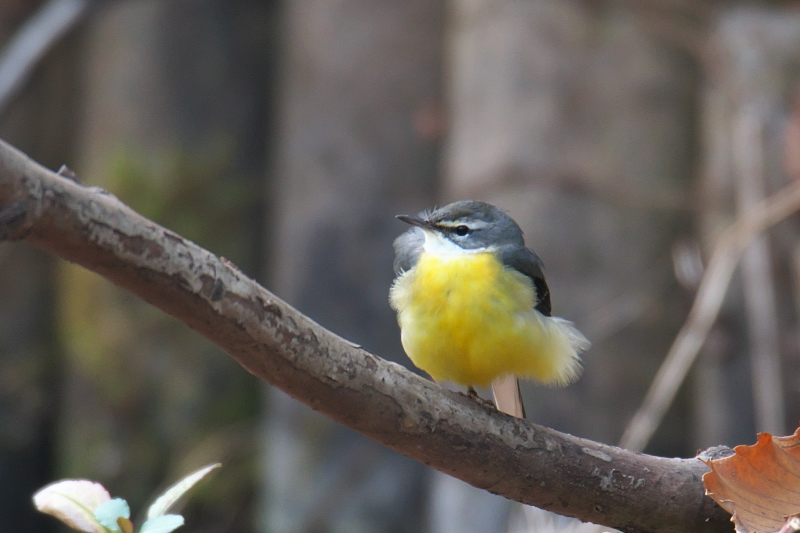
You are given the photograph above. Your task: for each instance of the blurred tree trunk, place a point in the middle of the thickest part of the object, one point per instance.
(577, 119)
(750, 131)
(172, 123)
(38, 121)
(359, 124)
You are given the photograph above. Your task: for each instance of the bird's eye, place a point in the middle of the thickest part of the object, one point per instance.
(462, 230)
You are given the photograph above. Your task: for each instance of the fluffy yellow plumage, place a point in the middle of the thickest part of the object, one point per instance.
(474, 307)
(468, 319)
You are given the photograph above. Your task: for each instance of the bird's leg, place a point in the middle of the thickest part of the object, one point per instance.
(473, 395)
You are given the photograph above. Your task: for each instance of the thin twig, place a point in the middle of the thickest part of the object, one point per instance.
(703, 314)
(33, 40)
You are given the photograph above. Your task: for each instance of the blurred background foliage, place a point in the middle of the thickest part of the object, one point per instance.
(284, 136)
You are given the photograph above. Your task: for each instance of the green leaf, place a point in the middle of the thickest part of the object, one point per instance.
(73, 501)
(173, 494)
(162, 524)
(108, 513)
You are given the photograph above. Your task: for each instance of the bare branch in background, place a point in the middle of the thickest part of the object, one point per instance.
(704, 312)
(24, 51)
(382, 400)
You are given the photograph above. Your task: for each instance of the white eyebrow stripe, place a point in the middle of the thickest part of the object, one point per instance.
(472, 224)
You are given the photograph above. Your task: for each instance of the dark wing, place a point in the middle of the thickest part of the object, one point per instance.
(526, 262)
(407, 248)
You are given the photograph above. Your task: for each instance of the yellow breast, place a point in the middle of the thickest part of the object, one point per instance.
(466, 318)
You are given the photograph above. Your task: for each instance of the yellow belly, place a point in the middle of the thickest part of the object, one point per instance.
(467, 319)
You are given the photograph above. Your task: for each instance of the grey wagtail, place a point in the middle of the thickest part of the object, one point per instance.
(474, 307)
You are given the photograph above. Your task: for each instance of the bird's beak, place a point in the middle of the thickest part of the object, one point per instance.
(414, 221)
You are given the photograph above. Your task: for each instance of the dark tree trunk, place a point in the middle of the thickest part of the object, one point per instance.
(360, 118)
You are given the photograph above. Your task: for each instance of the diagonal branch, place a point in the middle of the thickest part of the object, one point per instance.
(710, 295)
(34, 39)
(444, 429)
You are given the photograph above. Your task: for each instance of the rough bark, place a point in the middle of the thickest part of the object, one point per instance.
(444, 429)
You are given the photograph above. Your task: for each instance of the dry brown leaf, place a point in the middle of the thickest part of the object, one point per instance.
(760, 484)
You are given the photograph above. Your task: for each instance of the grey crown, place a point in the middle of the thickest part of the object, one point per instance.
(500, 233)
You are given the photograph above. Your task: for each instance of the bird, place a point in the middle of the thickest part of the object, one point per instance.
(474, 307)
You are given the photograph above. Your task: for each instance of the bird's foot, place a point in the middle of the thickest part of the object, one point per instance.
(473, 395)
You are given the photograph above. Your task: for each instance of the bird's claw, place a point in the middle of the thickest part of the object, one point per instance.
(473, 395)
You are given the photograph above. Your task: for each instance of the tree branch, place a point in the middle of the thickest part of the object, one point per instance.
(444, 429)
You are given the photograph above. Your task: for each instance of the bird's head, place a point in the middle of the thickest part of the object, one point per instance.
(469, 224)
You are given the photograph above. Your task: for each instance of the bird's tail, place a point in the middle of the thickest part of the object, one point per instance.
(564, 346)
(508, 396)
(567, 347)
